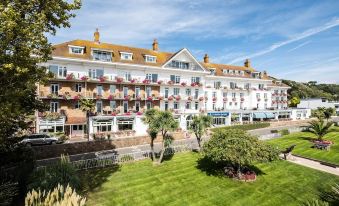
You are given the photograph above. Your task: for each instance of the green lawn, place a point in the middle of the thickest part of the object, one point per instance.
(179, 182)
(304, 146)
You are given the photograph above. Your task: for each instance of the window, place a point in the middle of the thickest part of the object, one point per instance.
(99, 89)
(247, 86)
(77, 127)
(58, 71)
(196, 105)
(125, 106)
(148, 91)
(258, 95)
(102, 55)
(188, 105)
(213, 106)
(151, 59)
(127, 76)
(78, 87)
(261, 86)
(176, 105)
(217, 85)
(166, 106)
(137, 106)
(55, 89)
(265, 95)
(95, 73)
(234, 95)
(112, 88)
(212, 71)
(195, 80)
(188, 92)
(230, 103)
(113, 105)
(126, 56)
(54, 106)
(241, 95)
(137, 91)
(214, 94)
(166, 92)
(176, 91)
(77, 105)
(149, 105)
(225, 71)
(224, 94)
(76, 50)
(196, 93)
(233, 85)
(125, 91)
(179, 64)
(175, 79)
(152, 77)
(99, 106)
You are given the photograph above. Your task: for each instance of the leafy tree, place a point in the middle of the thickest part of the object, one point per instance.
(162, 122)
(294, 101)
(329, 112)
(237, 149)
(319, 128)
(199, 126)
(23, 45)
(87, 106)
(152, 132)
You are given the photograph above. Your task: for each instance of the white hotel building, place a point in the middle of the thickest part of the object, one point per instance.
(125, 81)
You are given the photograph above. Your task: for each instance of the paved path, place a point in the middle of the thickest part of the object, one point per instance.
(314, 165)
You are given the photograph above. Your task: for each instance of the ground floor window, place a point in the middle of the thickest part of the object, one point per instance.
(77, 127)
(148, 105)
(102, 126)
(176, 105)
(219, 120)
(196, 105)
(188, 105)
(166, 106)
(125, 124)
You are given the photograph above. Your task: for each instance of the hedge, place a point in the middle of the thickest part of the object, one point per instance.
(246, 127)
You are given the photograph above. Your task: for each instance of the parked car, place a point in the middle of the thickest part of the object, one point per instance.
(39, 139)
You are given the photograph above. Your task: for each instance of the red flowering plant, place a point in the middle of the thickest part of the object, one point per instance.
(98, 96)
(242, 99)
(189, 98)
(114, 114)
(225, 99)
(149, 98)
(160, 97)
(177, 98)
(146, 81)
(133, 81)
(77, 97)
(139, 113)
(102, 79)
(214, 99)
(193, 84)
(138, 98)
(111, 97)
(273, 102)
(127, 97)
(160, 82)
(201, 99)
(70, 76)
(183, 84)
(170, 82)
(84, 78)
(234, 99)
(127, 113)
(170, 98)
(119, 79)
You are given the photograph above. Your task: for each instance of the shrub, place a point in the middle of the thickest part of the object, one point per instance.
(245, 127)
(49, 177)
(284, 132)
(8, 190)
(126, 158)
(59, 196)
(274, 131)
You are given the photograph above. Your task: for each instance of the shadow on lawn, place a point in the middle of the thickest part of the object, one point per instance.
(307, 138)
(94, 178)
(213, 169)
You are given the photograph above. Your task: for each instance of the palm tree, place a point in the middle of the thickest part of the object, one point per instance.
(320, 128)
(328, 112)
(199, 125)
(88, 106)
(152, 132)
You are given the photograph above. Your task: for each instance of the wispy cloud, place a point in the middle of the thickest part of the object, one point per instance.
(299, 46)
(303, 35)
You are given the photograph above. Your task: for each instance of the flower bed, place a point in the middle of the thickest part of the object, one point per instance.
(245, 175)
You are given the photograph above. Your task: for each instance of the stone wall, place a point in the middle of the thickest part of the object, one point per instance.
(50, 151)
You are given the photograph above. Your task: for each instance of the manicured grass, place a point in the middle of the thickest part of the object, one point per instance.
(179, 182)
(245, 127)
(304, 146)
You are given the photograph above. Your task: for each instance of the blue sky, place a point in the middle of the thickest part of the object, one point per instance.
(291, 39)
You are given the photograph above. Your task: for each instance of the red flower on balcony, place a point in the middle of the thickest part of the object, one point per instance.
(214, 99)
(77, 97)
(170, 98)
(102, 79)
(273, 102)
(225, 99)
(139, 113)
(160, 97)
(146, 81)
(127, 113)
(134, 81)
(201, 99)
(149, 98)
(193, 84)
(183, 84)
(114, 114)
(127, 97)
(138, 98)
(84, 78)
(242, 99)
(111, 97)
(98, 97)
(160, 82)
(234, 99)
(177, 98)
(119, 79)
(189, 98)
(170, 82)
(70, 76)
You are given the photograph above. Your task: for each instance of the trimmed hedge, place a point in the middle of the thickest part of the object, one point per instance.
(245, 127)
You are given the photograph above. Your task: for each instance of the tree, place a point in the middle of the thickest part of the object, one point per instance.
(319, 128)
(294, 101)
(328, 112)
(237, 149)
(87, 106)
(23, 45)
(161, 122)
(199, 126)
(152, 132)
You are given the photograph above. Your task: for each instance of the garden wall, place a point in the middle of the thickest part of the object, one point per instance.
(50, 151)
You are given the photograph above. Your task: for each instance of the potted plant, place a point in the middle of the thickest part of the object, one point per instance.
(214, 99)
(189, 98)
(170, 98)
(201, 99)
(160, 82)
(111, 97)
(149, 98)
(242, 99)
(102, 79)
(127, 97)
(84, 78)
(193, 84)
(70, 76)
(170, 82)
(177, 98)
(119, 79)
(146, 81)
(183, 84)
(225, 99)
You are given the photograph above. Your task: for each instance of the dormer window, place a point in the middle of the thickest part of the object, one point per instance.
(76, 49)
(101, 55)
(126, 55)
(150, 58)
(212, 70)
(225, 71)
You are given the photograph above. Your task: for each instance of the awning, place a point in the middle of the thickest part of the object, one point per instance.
(259, 115)
(218, 114)
(269, 115)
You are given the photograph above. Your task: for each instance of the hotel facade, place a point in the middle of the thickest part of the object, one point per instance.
(125, 81)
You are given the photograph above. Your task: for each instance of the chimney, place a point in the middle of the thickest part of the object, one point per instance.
(97, 36)
(155, 45)
(247, 63)
(206, 59)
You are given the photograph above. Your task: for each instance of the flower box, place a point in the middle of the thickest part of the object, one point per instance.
(139, 113)
(134, 81)
(119, 79)
(170, 98)
(160, 82)
(225, 99)
(149, 98)
(102, 79)
(214, 99)
(84, 78)
(111, 97)
(127, 113)
(70, 76)
(114, 114)
(201, 99)
(183, 84)
(189, 98)
(177, 98)
(170, 82)
(193, 84)
(127, 97)
(146, 81)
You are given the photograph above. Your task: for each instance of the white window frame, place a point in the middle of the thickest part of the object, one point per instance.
(150, 58)
(78, 87)
(54, 106)
(126, 56)
(54, 88)
(71, 51)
